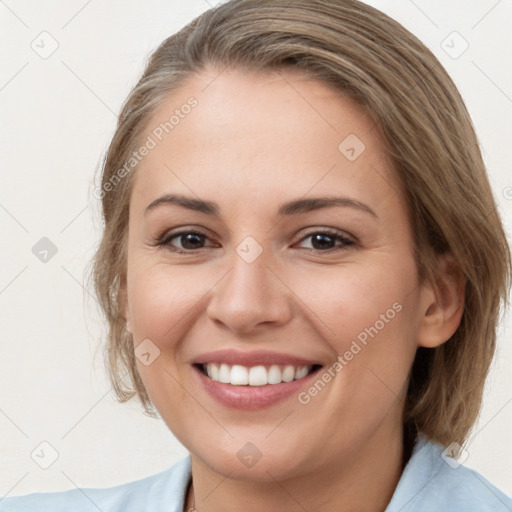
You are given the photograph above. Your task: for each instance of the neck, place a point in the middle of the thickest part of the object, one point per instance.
(364, 480)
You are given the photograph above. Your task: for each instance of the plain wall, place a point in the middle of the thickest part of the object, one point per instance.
(57, 116)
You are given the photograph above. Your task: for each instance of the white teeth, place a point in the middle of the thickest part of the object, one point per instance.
(224, 373)
(214, 372)
(238, 375)
(274, 374)
(258, 376)
(301, 372)
(288, 374)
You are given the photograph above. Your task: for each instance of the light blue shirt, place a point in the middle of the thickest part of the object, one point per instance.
(429, 483)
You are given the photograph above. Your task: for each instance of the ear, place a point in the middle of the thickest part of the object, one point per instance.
(442, 304)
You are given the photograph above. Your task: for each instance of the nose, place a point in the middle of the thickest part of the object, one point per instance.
(250, 297)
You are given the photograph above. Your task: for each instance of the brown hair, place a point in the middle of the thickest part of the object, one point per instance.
(431, 141)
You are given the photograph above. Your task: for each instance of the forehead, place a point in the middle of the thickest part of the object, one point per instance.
(258, 135)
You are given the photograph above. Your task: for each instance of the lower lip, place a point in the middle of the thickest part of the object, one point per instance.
(252, 397)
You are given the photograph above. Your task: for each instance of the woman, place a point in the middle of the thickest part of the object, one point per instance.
(302, 267)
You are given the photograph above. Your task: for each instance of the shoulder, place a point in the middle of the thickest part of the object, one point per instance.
(434, 481)
(158, 492)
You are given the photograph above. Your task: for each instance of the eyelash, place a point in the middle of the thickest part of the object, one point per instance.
(165, 241)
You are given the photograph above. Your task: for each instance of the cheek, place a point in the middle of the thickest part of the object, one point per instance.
(162, 299)
(353, 301)
(371, 320)
(162, 303)
(367, 315)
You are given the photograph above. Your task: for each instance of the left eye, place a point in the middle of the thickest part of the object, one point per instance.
(326, 240)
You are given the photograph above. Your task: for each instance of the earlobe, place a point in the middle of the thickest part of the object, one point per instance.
(442, 304)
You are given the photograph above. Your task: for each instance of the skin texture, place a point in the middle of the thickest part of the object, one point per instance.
(253, 142)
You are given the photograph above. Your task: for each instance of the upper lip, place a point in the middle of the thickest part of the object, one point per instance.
(253, 358)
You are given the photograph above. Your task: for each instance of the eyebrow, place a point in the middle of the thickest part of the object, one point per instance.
(291, 208)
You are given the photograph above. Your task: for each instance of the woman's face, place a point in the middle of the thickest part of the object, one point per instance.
(301, 267)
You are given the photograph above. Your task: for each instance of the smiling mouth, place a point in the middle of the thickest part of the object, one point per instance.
(260, 375)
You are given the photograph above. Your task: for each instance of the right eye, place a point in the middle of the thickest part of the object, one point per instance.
(190, 241)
